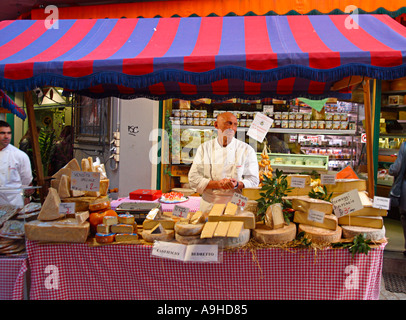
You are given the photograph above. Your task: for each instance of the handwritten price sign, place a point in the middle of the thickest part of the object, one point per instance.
(179, 211)
(239, 200)
(87, 181)
(347, 203)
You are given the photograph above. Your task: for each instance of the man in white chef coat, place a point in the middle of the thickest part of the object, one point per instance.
(223, 166)
(15, 168)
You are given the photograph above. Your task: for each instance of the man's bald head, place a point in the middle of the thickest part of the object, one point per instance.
(226, 125)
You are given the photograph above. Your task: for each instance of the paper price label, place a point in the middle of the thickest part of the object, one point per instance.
(347, 203)
(169, 250)
(67, 207)
(259, 127)
(298, 182)
(239, 200)
(179, 211)
(328, 179)
(381, 203)
(202, 253)
(315, 216)
(87, 181)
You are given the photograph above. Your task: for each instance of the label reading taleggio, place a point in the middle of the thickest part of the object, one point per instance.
(315, 216)
(381, 203)
(328, 179)
(87, 181)
(297, 182)
(169, 250)
(179, 211)
(347, 203)
(202, 253)
(239, 200)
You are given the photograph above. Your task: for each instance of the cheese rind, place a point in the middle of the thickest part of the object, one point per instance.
(263, 234)
(330, 220)
(122, 228)
(370, 233)
(321, 235)
(102, 228)
(120, 237)
(150, 237)
(188, 229)
(362, 221)
(305, 203)
(50, 208)
(345, 185)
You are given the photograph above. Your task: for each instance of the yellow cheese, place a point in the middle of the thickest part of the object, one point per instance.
(245, 216)
(91, 164)
(305, 203)
(120, 237)
(252, 206)
(55, 183)
(73, 165)
(50, 208)
(251, 193)
(123, 228)
(85, 165)
(231, 209)
(368, 210)
(64, 187)
(235, 229)
(104, 187)
(150, 224)
(330, 220)
(110, 220)
(102, 228)
(81, 217)
(222, 229)
(345, 185)
(299, 191)
(63, 171)
(187, 229)
(362, 221)
(217, 209)
(198, 217)
(274, 216)
(208, 230)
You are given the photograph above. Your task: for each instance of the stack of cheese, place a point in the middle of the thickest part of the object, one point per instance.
(121, 228)
(368, 221)
(226, 222)
(274, 230)
(62, 183)
(52, 226)
(296, 191)
(188, 230)
(315, 218)
(161, 229)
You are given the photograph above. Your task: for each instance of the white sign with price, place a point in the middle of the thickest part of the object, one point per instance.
(179, 211)
(83, 180)
(298, 182)
(239, 200)
(347, 203)
(67, 207)
(381, 203)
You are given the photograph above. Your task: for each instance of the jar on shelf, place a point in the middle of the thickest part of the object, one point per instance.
(176, 113)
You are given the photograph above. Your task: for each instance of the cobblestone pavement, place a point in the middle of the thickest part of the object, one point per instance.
(387, 295)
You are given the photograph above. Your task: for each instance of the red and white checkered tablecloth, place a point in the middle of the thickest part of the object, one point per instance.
(110, 272)
(12, 271)
(193, 204)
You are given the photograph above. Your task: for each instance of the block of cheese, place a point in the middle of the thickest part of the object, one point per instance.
(122, 228)
(345, 185)
(150, 224)
(251, 193)
(158, 229)
(81, 217)
(77, 193)
(373, 234)
(151, 237)
(197, 217)
(92, 193)
(330, 220)
(231, 209)
(50, 208)
(368, 209)
(274, 216)
(247, 217)
(362, 221)
(221, 229)
(73, 165)
(63, 171)
(102, 228)
(104, 187)
(217, 209)
(321, 235)
(121, 237)
(82, 203)
(126, 218)
(110, 220)
(99, 205)
(307, 178)
(64, 230)
(208, 229)
(235, 229)
(264, 234)
(64, 187)
(188, 229)
(85, 165)
(305, 203)
(55, 183)
(299, 191)
(105, 237)
(91, 165)
(251, 206)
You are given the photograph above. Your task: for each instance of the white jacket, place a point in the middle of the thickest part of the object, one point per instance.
(15, 171)
(212, 161)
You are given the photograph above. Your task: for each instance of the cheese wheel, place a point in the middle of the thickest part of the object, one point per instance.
(105, 238)
(321, 235)
(370, 233)
(151, 237)
(189, 239)
(263, 234)
(126, 218)
(239, 241)
(97, 206)
(187, 229)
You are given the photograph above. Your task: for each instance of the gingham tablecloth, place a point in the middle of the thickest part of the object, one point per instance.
(12, 272)
(79, 271)
(193, 204)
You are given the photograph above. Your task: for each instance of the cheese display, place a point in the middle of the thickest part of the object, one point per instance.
(362, 221)
(305, 203)
(50, 208)
(263, 234)
(328, 221)
(374, 234)
(321, 235)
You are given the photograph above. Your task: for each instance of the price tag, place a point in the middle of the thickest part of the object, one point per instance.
(259, 127)
(315, 216)
(202, 253)
(179, 211)
(169, 250)
(347, 203)
(67, 207)
(88, 181)
(239, 200)
(381, 203)
(328, 179)
(297, 182)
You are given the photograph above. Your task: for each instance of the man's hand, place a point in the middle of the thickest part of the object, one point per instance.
(227, 183)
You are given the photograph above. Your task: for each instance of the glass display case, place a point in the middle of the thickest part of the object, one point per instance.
(297, 162)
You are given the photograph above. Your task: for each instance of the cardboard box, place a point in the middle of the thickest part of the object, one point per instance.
(145, 194)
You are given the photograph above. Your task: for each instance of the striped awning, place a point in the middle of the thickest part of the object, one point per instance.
(251, 56)
(7, 103)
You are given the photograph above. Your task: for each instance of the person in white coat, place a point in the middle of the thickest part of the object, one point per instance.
(223, 166)
(15, 169)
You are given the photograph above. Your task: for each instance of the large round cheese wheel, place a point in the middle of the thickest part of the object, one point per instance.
(195, 239)
(151, 237)
(263, 234)
(321, 235)
(235, 242)
(187, 229)
(370, 233)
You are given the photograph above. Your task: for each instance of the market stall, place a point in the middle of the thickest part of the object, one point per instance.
(222, 57)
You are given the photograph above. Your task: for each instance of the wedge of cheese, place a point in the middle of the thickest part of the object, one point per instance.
(50, 208)
(221, 229)
(231, 209)
(85, 165)
(208, 229)
(72, 165)
(64, 187)
(234, 229)
(305, 203)
(81, 217)
(274, 216)
(245, 216)
(362, 221)
(217, 209)
(368, 209)
(150, 224)
(104, 187)
(197, 218)
(345, 185)
(330, 221)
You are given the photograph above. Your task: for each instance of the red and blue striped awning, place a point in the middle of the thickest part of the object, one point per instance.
(7, 103)
(248, 57)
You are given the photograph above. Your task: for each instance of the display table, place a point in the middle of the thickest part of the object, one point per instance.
(12, 272)
(80, 271)
(193, 204)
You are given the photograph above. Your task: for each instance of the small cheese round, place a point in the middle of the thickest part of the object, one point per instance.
(263, 234)
(105, 238)
(186, 229)
(321, 235)
(100, 205)
(370, 233)
(235, 242)
(151, 237)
